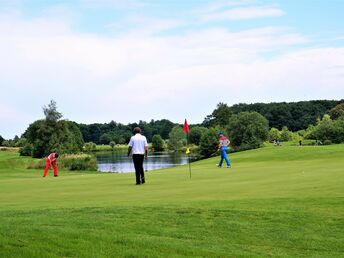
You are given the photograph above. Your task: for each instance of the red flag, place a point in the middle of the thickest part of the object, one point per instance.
(186, 127)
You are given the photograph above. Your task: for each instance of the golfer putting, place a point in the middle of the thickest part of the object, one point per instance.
(51, 161)
(223, 147)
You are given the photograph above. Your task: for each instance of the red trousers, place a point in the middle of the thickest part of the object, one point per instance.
(53, 163)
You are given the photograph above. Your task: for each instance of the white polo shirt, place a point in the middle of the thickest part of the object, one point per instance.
(138, 142)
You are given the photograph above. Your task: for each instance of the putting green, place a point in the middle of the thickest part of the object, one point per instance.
(276, 201)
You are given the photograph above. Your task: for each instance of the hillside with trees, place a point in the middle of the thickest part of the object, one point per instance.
(294, 115)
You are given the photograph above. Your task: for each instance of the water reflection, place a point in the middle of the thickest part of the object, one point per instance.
(119, 162)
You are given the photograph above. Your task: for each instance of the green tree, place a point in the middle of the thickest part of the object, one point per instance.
(26, 150)
(1, 140)
(69, 137)
(177, 138)
(162, 127)
(295, 115)
(196, 134)
(146, 130)
(105, 138)
(337, 111)
(220, 116)
(248, 129)
(8, 143)
(208, 143)
(328, 130)
(51, 134)
(21, 142)
(157, 143)
(286, 135)
(274, 134)
(51, 113)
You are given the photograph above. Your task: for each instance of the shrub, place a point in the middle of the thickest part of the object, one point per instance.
(208, 143)
(177, 138)
(26, 150)
(157, 143)
(327, 142)
(90, 146)
(274, 135)
(328, 129)
(286, 135)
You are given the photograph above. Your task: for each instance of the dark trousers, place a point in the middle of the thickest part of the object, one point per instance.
(139, 172)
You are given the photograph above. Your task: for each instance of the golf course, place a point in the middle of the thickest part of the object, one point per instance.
(285, 201)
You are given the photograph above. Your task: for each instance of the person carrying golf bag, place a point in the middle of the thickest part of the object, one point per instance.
(51, 160)
(223, 147)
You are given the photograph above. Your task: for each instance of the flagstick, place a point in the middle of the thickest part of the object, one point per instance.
(187, 141)
(189, 164)
(187, 131)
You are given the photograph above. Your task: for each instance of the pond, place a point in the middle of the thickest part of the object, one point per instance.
(118, 161)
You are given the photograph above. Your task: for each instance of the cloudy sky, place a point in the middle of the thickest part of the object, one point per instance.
(131, 60)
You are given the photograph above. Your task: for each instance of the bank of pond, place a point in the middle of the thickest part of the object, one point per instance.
(115, 161)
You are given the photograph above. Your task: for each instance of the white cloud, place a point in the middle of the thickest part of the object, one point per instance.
(115, 4)
(236, 10)
(144, 26)
(218, 5)
(243, 13)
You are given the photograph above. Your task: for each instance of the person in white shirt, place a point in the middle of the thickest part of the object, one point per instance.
(138, 146)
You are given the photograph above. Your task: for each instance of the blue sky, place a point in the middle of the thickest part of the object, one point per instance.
(140, 60)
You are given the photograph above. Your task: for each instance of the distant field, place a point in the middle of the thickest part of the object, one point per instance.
(283, 201)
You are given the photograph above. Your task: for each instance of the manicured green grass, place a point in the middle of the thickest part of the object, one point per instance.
(275, 202)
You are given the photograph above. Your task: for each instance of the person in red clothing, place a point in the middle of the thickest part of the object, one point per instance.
(51, 160)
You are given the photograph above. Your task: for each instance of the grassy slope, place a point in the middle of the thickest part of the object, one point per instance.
(277, 201)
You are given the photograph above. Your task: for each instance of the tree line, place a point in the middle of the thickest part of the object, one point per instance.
(120, 133)
(294, 115)
(247, 125)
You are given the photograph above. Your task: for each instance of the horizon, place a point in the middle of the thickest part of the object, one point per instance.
(141, 60)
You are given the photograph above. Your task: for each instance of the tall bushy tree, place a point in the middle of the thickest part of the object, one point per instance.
(220, 116)
(196, 134)
(51, 113)
(52, 134)
(208, 143)
(1, 140)
(157, 143)
(177, 138)
(274, 134)
(248, 129)
(286, 135)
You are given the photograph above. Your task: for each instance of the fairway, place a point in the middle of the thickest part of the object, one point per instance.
(274, 202)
